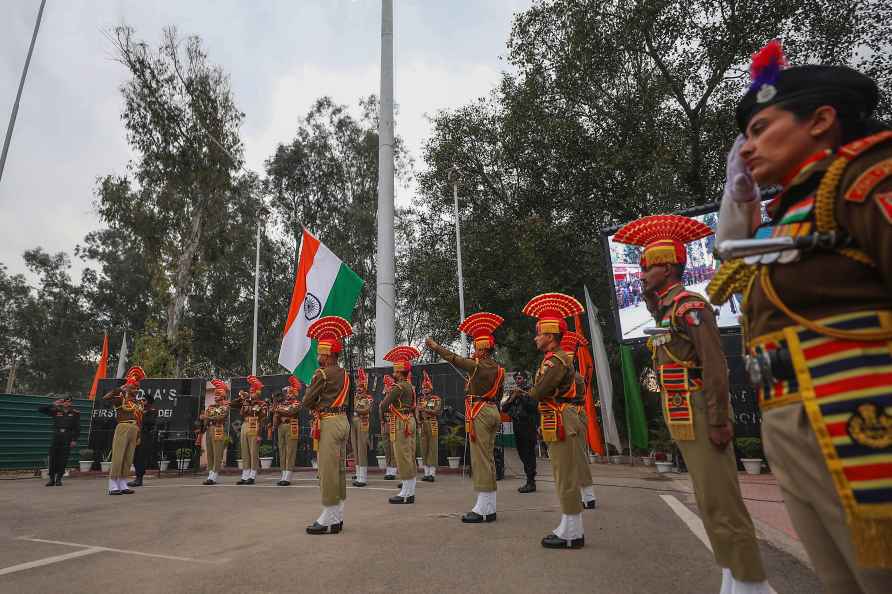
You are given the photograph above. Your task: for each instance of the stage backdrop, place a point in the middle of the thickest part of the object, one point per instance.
(178, 402)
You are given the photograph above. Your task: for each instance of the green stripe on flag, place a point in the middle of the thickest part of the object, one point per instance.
(341, 302)
(635, 417)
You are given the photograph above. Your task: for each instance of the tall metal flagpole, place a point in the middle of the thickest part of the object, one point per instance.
(385, 301)
(18, 95)
(260, 214)
(454, 178)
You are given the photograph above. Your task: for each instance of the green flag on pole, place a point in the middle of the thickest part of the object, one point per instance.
(635, 418)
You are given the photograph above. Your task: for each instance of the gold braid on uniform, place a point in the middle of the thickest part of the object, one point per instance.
(825, 217)
(732, 277)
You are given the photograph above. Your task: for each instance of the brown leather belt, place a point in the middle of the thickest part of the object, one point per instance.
(333, 409)
(128, 422)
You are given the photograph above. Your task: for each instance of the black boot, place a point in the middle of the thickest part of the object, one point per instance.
(317, 528)
(552, 541)
(473, 517)
(137, 482)
(529, 487)
(58, 480)
(52, 481)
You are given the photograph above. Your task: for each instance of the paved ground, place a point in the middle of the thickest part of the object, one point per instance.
(177, 536)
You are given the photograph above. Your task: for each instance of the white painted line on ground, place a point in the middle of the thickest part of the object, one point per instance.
(689, 518)
(49, 560)
(249, 487)
(694, 523)
(129, 552)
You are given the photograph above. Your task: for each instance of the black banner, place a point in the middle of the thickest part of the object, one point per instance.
(176, 401)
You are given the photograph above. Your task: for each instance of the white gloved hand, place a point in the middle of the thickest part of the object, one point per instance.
(739, 183)
(739, 212)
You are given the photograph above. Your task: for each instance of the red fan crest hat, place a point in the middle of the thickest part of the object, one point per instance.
(134, 375)
(570, 341)
(480, 326)
(388, 383)
(254, 384)
(220, 387)
(294, 385)
(552, 309)
(426, 383)
(774, 83)
(362, 380)
(663, 237)
(328, 331)
(402, 357)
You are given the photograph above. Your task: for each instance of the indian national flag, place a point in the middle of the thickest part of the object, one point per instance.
(324, 286)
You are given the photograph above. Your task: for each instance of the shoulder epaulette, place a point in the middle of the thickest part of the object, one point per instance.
(688, 294)
(867, 181)
(853, 149)
(690, 305)
(564, 358)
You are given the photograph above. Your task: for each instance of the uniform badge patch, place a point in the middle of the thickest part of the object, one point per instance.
(868, 180)
(871, 427)
(884, 201)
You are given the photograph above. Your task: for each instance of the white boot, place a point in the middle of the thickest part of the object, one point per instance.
(588, 496)
(328, 516)
(245, 474)
(391, 471)
(288, 475)
(433, 470)
(253, 473)
(740, 587)
(486, 503)
(341, 510)
(570, 527)
(362, 474)
(122, 484)
(727, 582)
(113, 485)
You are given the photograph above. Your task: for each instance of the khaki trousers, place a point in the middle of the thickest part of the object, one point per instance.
(585, 469)
(249, 450)
(564, 457)
(123, 448)
(331, 456)
(214, 449)
(389, 460)
(287, 446)
(430, 450)
(483, 462)
(717, 491)
(404, 448)
(813, 504)
(359, 439)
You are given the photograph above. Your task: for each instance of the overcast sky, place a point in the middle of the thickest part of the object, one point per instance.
(280, 56)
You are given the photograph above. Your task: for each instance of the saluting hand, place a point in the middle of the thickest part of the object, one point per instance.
(430, 343)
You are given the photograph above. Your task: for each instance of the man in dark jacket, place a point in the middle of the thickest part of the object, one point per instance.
(66, 429)
(525, 418)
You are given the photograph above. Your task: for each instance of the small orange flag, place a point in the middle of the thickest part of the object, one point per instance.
(587, 371)
(101, 369)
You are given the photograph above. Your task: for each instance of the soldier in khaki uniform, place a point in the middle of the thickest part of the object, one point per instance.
(286, 426)
(569, 343)
(212, 422)
(693, 374)
(253, 410)
(430, 406)
(385, 417)
(359, 428)
(128, 411)
(401, 403)
(483, 390)
(818, 313)
(555, 389)
(326, 396)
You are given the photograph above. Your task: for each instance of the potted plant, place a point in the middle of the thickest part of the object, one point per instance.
(106, 461)
(750, 454)
(661, 444)
(86, 459)
(454, 442)
(184, 458)
(266, 456)
(163, 462)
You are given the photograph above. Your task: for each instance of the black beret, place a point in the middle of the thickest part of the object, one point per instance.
(840, 86)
